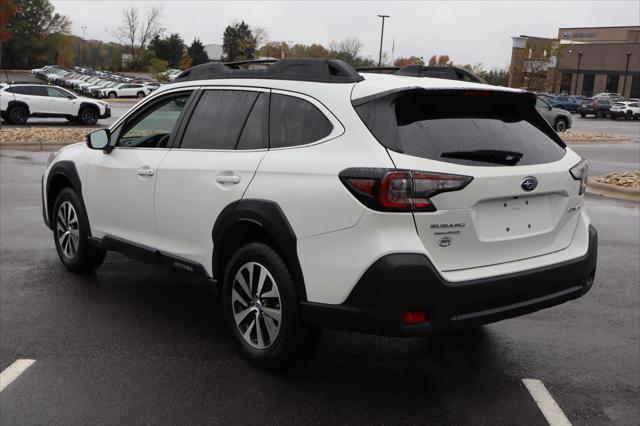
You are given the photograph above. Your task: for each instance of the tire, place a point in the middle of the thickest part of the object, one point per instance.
(269, 343)
(88, 116)
(599, 114)
(583, 115)
(71, 241)
(17, 115)
(112, 95)
(561, 124)
(628, 116)
(140, 95)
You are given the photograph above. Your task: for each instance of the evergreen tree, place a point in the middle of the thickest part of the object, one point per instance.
(238, 42)
(197, 53)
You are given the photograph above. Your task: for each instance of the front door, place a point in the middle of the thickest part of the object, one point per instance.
(121, 184)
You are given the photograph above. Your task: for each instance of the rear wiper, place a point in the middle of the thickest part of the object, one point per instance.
(509, 158)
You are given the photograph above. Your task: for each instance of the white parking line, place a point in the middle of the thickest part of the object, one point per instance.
(13, 371)
(550, 409)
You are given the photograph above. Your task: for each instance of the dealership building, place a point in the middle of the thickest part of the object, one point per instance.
(580, 61)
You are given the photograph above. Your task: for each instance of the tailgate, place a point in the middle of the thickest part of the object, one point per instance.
(522, 201)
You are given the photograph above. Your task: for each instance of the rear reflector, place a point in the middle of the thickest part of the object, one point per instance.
(416, 317)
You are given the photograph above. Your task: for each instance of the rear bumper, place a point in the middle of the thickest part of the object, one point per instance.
(398, 283)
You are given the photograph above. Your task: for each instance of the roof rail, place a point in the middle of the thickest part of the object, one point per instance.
(299, 69)
(379, 70)
(449, 73)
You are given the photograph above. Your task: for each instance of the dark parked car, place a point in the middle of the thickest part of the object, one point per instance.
(599, 107)
(565, 102)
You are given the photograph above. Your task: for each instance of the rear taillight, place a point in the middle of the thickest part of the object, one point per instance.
(594, 103)
(399, 190)
(581, 172)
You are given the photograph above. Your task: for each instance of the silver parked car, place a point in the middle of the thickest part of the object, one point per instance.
(559, 119)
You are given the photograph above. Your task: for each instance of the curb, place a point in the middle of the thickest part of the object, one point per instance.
(612, 191)
(35, 146)
(594, 141)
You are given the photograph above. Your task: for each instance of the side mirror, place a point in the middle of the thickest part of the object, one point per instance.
(99, 140)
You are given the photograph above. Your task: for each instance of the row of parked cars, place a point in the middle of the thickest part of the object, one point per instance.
(601, 105)
(97, 84)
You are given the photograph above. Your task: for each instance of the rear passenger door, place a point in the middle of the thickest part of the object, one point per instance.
(215, 158)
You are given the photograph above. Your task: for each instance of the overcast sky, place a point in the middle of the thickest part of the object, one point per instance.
(468, 31)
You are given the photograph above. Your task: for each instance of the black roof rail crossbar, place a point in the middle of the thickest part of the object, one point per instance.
(379, 70)
(449, 73)
(299, 69)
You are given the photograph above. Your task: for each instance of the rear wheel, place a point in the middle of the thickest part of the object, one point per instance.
(599, 114)
(17, 115)
(583, 115)
(71, 232)
(561, 124)
(140, 94)
(628, 116)
(262, 308)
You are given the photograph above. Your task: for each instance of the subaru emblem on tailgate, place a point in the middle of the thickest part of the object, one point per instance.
(529, 183)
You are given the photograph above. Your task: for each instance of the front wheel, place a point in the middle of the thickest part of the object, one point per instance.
(261, 308)
(628, 116)
(599, 114)
(71, 233)
(561, 125)
(88, 116)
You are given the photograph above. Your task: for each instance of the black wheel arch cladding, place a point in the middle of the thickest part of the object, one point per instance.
(66, 170)
(269, 217)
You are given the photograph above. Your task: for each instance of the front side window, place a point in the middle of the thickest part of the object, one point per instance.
(541, 104)
(228, 119)
(294, 122)
(154, 126)
(54, 92)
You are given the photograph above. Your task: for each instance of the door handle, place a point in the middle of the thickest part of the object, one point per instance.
(228, 179)
(145, 171)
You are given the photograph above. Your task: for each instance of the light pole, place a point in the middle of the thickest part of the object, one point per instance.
(381, 38)
(84, 28)
(578, 73)
(626, 72)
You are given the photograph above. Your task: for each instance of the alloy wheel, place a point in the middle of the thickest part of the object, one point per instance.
(256, 305)
(68, 230)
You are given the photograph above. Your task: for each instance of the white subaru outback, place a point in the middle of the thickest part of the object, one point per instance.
(313, 196)
(18, 102)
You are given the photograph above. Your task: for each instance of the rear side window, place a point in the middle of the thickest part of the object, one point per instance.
(28, 90)
(218, 119)
(295, 121)
(471, 128)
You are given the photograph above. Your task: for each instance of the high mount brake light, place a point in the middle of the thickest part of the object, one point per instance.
(399, 190)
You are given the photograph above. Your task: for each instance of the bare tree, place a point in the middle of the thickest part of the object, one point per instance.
(151, 26)
(261, 35)
(133, 29)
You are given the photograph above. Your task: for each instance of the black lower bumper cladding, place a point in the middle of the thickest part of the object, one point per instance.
(400, 283)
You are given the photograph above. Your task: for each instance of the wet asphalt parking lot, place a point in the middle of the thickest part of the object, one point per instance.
(133, 345)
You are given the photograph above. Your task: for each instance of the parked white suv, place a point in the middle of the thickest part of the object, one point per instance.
(18, 102)
(313, 196)
(131, 90)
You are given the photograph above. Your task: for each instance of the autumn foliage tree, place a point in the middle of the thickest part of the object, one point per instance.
(411, 60)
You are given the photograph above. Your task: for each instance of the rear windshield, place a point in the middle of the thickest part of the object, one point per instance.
(463, 127)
